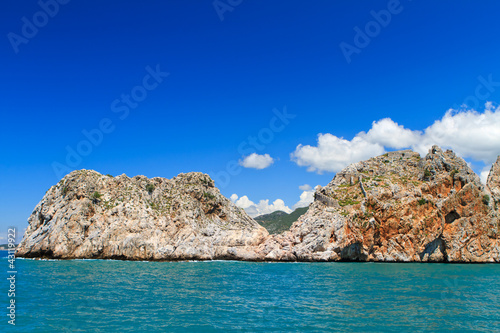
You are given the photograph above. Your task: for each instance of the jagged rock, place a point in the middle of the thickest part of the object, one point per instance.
(89, 215)
(395, 207)
(398, 207)
(493, 182)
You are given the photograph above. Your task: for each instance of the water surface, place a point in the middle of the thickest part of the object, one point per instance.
(121, 296)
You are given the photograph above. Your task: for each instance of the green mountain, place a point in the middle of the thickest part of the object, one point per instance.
(279, 221)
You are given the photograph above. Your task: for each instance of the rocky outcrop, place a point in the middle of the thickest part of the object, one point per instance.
(398, 207)
(493, 182)
(89, 215)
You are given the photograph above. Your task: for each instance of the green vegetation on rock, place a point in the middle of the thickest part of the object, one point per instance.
(208, 195)
(348, 202)
(279, 221)
(96, 196)
(150, 188)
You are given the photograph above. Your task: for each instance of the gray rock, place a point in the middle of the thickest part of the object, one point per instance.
(395, 207)
(88, 215)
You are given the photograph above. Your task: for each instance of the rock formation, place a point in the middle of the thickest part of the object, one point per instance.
(398, 207)
(89, 215)
(493, 181)
(395, 207)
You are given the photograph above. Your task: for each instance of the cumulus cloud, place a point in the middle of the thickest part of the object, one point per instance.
(256, 161)
(469, 133)
(305, 187)
(333, 153)
(388, 133)
(262, 207)
(306, 197)
(484, 174)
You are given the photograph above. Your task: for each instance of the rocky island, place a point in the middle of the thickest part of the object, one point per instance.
(398, 207)
(89, 215)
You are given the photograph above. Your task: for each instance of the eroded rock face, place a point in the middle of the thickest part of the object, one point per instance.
(89, 215)
(394, 207)
(398, 207)
(493, 182)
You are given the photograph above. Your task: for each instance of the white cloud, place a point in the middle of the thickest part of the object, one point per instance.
(333, 153)
(484, 174)
(256, 161)
(469, 133)
(305, 187)
(387, 133)
(306, 197)
(261, 208)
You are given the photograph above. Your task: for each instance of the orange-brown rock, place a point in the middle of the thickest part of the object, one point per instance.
(394, 207)
(398, 207)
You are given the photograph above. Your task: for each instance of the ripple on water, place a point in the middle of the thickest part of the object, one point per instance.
(120, 296)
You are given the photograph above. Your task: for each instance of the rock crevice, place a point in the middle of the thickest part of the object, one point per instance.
(405, 208)
(89, 215)
(398, 207)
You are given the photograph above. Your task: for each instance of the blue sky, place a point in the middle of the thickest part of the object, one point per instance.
(225, 78)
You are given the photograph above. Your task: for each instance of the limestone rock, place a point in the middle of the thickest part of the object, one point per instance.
(493, 182)
(89, 215)
(398, 207)
(395, 207)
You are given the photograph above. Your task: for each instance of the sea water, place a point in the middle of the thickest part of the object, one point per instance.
(125, 296)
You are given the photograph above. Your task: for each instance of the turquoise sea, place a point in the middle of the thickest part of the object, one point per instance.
(121, 296)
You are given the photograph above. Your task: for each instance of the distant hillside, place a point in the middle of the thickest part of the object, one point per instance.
(279, 221)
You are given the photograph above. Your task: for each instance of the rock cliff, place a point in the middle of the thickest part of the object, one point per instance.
(398, 207)
(493, 182)
(89, 215)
